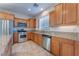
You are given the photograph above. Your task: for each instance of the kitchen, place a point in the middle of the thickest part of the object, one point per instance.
(39, 29)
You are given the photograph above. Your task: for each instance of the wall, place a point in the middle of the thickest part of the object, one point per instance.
(45, 12)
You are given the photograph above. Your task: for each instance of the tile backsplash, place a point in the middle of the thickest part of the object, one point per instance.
(71, 32)
(66, 29)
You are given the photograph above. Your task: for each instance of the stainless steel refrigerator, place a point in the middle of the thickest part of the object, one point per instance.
(6, 31)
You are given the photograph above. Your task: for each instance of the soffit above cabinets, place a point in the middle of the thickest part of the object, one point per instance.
(24, 8)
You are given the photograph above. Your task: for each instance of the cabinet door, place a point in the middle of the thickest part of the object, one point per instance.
(28, 36)
(78, 12)
(32, 36)
(52, 18)
(36, 37)
(55, 45)
(67, 47)
(34, 23)
(16, 22)
(40, 39)
(27, 22)
(31, 23)
(70, 13)
(15, 37)
(58, 9)
(76, 48)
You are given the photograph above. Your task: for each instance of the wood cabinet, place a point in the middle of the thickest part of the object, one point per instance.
(65, 14)
(55, 45)
(70, 13)
(32, 23)
(56, 16)
(62, 46)
(52, 17)
(67, 47)
(38, 39)
(30, 36)
(15, 37)
(76, 48)
(6, 16)
(19, 20)
(78, 12)
(58, 10)
(28, 23)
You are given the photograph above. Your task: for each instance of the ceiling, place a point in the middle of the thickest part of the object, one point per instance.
(22, 8)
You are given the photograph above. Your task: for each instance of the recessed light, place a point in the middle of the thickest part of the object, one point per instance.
(41, 9)
(29, 9)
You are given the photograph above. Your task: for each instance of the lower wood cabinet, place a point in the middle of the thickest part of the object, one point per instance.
(38, 39)
(63, 47)
(67, 47)
(30, 36)
(76, 48)
(15, 37)
(55, 45)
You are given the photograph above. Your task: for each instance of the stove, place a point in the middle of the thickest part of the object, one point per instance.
(22, 35)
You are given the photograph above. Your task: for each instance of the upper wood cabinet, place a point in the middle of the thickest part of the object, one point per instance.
(69, 13)
(19, 20)
(32, 23)
(56, 16)
(65, 14)
(27, 22)
(78, 12)
(16, 22)
(6, 16)
(58, 10)
(52, 17)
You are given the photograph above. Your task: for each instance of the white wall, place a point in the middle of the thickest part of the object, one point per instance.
(45, 12)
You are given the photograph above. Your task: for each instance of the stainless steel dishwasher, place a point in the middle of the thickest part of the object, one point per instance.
(46, 42)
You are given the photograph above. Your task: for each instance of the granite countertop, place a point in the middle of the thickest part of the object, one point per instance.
(4, 42)
(74, 35)
(67, 35)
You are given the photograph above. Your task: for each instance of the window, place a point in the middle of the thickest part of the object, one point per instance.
(44, 22)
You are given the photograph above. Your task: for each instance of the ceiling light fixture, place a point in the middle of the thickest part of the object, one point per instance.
(29, 9)
(35, 5)
(41, 9)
